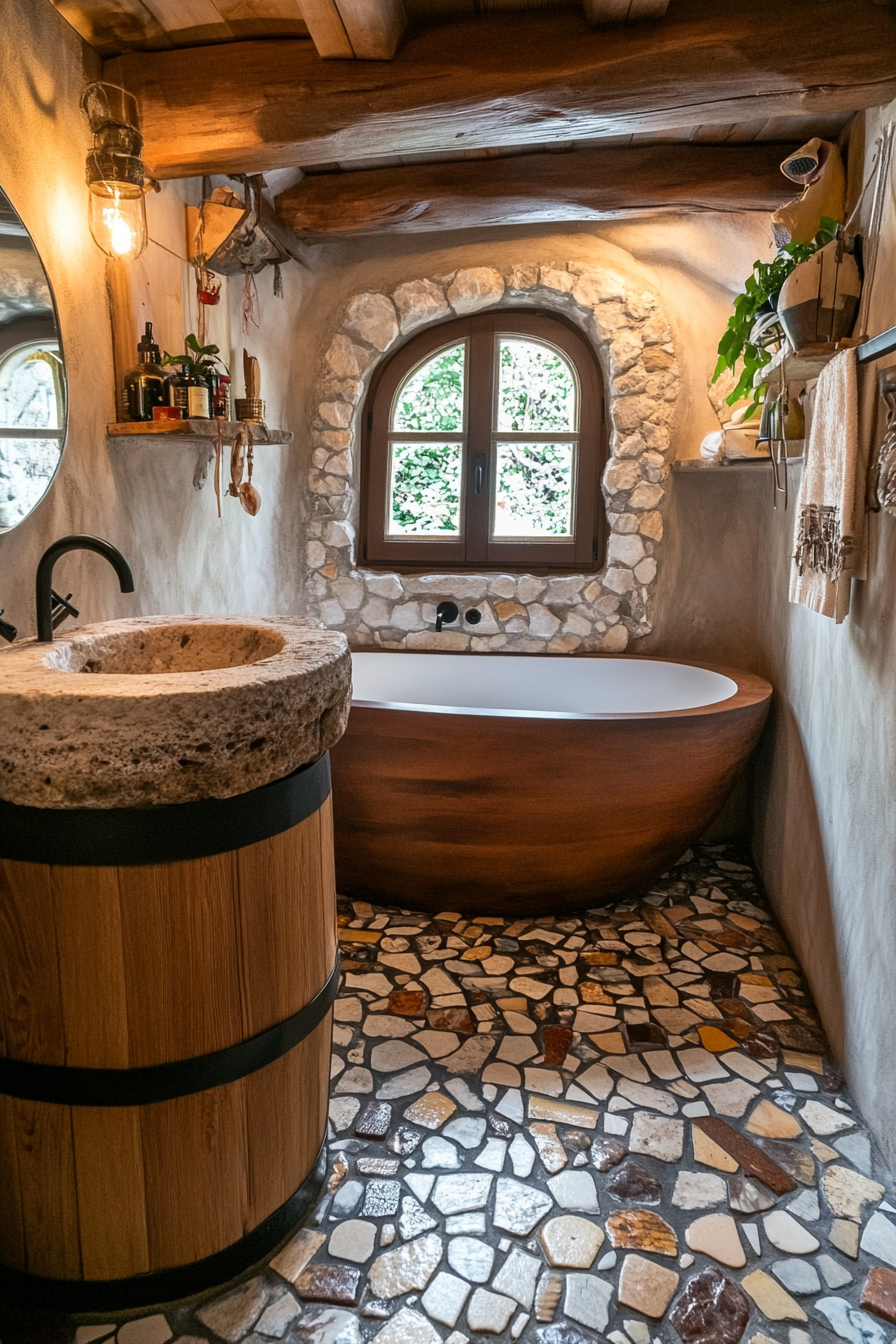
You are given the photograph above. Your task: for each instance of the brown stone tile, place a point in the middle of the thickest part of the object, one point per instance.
(451, 1019)
(556, 1041)
(600, 958)
(593, 993)
(636, 1185)
(753, 1160)
(606, 1153)
(711, 1310)
(329, 1283)
(641, 1230)
(797, 1036)
(799, 1164)
(408, 1002)
(879, 1293)
(657, 922)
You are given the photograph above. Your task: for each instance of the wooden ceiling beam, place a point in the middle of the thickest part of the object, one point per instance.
(588, 184)
(483, 82)
(598, 12)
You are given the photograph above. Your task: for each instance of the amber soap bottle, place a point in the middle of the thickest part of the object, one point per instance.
(145, 385)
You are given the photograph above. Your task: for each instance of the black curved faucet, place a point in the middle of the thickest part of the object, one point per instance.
(44, 594)
(447, 613)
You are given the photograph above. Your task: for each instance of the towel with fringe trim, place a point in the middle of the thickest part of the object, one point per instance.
(830, 509)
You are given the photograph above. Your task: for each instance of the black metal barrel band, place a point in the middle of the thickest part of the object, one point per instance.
(151, 1083)
(128, 837)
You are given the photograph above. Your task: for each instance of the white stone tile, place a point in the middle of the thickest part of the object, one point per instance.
(701, 1066)
(787, 1235)
(414, 1219)
(437, 1044)
(352, 1240)
(421, 1185)
(516, 1049)
(518, 1276)
(519, 1023)
(153, 1330)
(489, 1313)
(851, 1323)
(522, 1156)
(640, 1095)
(732, 1098)
(575, 1190)
(834, 1274)
(404, 1084)
(445, 1297)
(466, 1224)
(471, 1257)
(230, 1317)
(466, 1130)
(518, 1207)
(879, 1238)
(547, 1082)
(464, 1095)
(744, 1065)
(384, 1024)
(823, 1121)
(805, 1206)
(657, 1136)
(405, 1268)
(493, 1155)
(511, 1105)
(698, 1190)
(587, 1300)
(406, 1327)
(463, 1193)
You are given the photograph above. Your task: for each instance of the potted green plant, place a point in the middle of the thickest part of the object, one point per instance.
(199, 372)
(753, 326)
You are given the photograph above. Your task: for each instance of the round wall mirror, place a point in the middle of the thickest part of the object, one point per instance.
(32, 374)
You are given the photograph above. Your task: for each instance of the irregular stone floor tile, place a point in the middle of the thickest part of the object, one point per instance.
(621, 1123)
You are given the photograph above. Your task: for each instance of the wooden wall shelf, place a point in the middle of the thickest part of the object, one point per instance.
(193, 431)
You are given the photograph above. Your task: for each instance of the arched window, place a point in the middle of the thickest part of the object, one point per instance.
(484, 444)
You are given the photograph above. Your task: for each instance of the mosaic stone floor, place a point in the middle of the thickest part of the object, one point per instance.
(617, 1127)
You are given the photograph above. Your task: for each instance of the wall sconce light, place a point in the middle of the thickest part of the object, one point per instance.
(115, 174)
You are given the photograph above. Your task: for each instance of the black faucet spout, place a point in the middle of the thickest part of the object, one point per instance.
(446, 613)
(44, 581)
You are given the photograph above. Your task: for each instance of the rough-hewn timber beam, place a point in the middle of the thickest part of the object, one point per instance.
(538, 189)
(533, 78)
(367, 29)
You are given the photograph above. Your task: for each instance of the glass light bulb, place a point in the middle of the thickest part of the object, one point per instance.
(117, 220)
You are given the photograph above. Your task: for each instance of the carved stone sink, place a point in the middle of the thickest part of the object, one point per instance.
(174, 709)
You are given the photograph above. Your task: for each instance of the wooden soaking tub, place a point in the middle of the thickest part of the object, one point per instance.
(512, 784)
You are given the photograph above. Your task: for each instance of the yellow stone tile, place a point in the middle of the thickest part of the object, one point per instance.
(845, 1236)
(477, 953)
(610, 1042)
(360, 935)
(716, 1041)
(431, 1110)
(771, 1122)
(798, 1059)
(449, 916)
(561, 1112)
(744, 922)
(489, 919)
(771, 1299)
(600, 958)
(472, 932)
(709, 1153)
(515, 1005)
(822, 1151)
(753, 978)
(593, 993)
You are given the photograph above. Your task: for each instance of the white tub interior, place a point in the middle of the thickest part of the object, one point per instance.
(533, 687)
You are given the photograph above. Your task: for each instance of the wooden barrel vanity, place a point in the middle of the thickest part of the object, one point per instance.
(167, 977)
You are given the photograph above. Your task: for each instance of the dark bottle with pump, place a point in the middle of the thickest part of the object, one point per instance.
(145, 386)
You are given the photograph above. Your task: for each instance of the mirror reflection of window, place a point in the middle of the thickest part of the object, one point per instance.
(32, 374)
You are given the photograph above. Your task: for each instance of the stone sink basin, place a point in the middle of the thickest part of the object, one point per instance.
(168, 709)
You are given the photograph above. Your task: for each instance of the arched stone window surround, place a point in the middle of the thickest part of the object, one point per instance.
(627, 326)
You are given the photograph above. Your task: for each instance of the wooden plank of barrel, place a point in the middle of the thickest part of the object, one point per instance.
(165, 1035)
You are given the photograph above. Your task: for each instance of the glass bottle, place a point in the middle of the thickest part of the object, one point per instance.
(145, 384)
(191, 393)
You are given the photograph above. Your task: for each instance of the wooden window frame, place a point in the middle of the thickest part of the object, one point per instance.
(475, 550)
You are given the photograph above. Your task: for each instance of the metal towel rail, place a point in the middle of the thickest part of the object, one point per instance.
(877, 347)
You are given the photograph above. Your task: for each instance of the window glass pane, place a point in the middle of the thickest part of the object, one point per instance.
(26, 468)
(424, 490)
(28, 388)
(537, 388)
(534, 489)
(432, 397)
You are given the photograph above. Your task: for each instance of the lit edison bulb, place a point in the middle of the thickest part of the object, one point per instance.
(118, 219)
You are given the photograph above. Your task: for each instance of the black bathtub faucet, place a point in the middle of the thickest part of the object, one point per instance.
(7, 631)
(53, 609)
(446, 614)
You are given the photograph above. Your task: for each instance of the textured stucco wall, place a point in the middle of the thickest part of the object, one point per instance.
(826, 823)
(139, 498)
